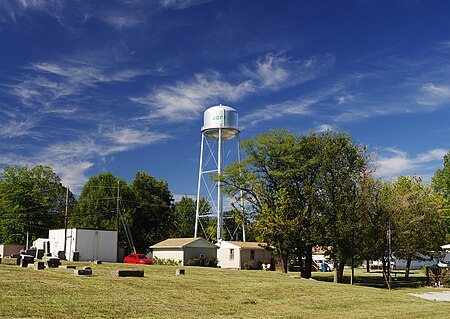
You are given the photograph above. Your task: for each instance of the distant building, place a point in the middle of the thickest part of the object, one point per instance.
(9, 249)
(84, 244)
(239, 255)
(183, 249)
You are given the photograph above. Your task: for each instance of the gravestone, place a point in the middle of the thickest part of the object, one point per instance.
(39, 253)
(39, 265)
(25, 260)
(87, 271)
(128, 273)
(180, 272)
(52, 262)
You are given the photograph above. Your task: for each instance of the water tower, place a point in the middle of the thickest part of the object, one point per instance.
(220, 124)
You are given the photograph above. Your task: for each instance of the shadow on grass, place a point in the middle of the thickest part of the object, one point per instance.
(376, 279)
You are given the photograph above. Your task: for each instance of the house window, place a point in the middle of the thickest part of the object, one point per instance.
(252, 254)
(201, 255)
(231, 254)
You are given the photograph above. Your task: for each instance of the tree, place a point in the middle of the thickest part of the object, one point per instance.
(31, 200)
(184, 217)
(302, 191)
(152, 211)
(97, 203)
(342, 164)
(417, 223)
(372, 225)
(441, 185)
(260, 179)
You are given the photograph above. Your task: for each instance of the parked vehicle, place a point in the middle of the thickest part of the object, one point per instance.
(138, 259)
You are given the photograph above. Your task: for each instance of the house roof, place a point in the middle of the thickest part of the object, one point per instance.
(248, 244)
(182, 242)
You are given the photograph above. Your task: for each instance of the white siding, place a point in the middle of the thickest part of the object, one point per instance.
(92, 244)
(223, 255)
(261, 256)
(169, 253)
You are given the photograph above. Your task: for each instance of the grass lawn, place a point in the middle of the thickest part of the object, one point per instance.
(203, 293)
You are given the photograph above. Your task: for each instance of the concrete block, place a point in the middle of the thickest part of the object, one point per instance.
(180, 272)
(61, 255)
(39, 265)
(87, 271)
(128, 273)
(69, 267)
(52, 262)
(39, 253)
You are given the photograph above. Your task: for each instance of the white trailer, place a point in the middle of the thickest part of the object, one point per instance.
(89, 244)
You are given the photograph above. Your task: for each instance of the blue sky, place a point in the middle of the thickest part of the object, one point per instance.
(121, 85)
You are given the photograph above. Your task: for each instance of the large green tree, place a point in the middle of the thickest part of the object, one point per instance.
(185, 210)
(31, 200)
(441, 184)
(280, 178)
(342, 164)
(417, 223)
(151, 211)
(97, 204)
(261, 179)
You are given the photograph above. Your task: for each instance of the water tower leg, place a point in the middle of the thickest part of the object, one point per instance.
(219, 190)
(200, 172)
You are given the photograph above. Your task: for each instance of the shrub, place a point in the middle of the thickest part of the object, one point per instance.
(202, 262)
(166, 262)
(247, 266)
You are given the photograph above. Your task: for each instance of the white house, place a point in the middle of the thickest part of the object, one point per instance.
(88, 244)
(183, 249)
(238, 255)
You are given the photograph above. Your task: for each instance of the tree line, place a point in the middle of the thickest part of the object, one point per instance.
(319, 190)
(300, 192)
(33, 200)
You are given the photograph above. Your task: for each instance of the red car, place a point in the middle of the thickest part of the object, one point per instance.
(138, 259)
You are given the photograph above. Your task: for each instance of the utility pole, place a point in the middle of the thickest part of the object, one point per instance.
(65, 221)
(117, 221)
(389, 251)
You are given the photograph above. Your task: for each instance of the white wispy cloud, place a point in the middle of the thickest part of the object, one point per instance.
(325, 127)
(303, 105)
(398, 162)
(17, 127)
(185, 99)
(276, 71)
(342, 99)
(434, 95)
(133, 137)
(181, 4)
(72, 160)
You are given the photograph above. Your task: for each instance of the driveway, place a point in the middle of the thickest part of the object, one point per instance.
(435, 296)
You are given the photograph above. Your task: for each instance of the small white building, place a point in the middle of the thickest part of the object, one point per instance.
(183, 249)
(239, 255)
(88, 244)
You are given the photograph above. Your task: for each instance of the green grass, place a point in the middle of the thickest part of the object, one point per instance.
(203, 293)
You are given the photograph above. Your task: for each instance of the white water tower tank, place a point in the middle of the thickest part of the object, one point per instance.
(220, 117)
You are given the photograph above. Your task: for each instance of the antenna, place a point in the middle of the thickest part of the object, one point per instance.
(220, 125)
